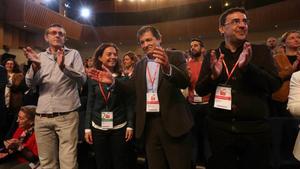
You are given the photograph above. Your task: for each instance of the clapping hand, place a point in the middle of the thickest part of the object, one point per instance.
(245, 56)
(61, 58)
(161, 58)
(32, 56)
(216, 65)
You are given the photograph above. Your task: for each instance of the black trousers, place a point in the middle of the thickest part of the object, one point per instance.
(164, 151)
(199, 133)
(238, 150)
(111, 150)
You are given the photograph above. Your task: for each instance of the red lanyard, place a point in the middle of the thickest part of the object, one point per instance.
(149, 75)
(232, 70)
(103, 94)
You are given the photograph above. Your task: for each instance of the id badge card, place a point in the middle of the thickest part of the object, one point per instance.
(152, 102)
(197, 99)
(107, 120)
(223, 97)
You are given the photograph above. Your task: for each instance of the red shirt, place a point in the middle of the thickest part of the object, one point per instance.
(194, 67)
(30, 143)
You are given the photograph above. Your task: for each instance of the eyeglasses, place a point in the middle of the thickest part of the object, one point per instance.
(53, 33)
(236, 22)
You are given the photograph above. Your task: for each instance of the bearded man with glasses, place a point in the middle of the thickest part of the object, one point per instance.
(58, 73)
(240, 77)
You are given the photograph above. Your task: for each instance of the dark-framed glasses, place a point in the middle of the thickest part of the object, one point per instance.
(236, 22)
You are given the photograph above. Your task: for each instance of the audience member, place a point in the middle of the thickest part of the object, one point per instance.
(6, 55)
(285, 128)
(129, 61)
(109, 123)
(89, 63)
(198, 105)
(59, 73)
(14, 92)
(3, 114)
(294, 106)
(287, 63)
(20, 152)
(271, 44)
(240, 77)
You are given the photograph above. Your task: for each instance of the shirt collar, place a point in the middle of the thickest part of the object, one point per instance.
(66, 50)
(227, 51)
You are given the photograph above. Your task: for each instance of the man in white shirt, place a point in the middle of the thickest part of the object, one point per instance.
(58, 72)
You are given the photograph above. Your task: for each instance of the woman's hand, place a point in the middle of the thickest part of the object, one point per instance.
(3, 155)
(128, 134)
(88, 137)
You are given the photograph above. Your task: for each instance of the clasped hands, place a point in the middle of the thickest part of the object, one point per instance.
(11, 146)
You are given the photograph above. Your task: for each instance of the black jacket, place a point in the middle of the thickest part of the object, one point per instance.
(3, 82)
(117, 103)
(251, 89)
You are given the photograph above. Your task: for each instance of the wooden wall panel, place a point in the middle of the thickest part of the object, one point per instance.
(1, 35)
(42, 17)
(262, 18)
(139, 6)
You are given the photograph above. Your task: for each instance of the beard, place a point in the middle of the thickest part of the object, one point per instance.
(195, 53)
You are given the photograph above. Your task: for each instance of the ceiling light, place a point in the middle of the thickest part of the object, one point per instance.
(47, 1)
(226, 4)
(67, 5)
(85, 12)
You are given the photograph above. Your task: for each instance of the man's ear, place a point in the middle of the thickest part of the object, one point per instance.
(159, 41)
(46, 38)
(221, 30)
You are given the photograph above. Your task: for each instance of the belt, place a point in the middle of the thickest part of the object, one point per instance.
(52, 115)
(153, 114)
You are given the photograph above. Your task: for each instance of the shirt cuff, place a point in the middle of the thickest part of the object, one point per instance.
(87, 131)
(129, 128)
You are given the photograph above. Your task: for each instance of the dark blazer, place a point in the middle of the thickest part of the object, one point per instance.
(175, 114)
(117, 103)
(3, 82)
(18, 88)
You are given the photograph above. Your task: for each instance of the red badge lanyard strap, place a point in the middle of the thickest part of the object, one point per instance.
(105, 97)
(152, 80)
(232, 70)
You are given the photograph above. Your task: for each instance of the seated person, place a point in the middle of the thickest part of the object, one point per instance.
(20, 152)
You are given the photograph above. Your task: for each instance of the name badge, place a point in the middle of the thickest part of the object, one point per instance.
(223, 98)
(152, 102)
(107, 120)
(197, 99)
